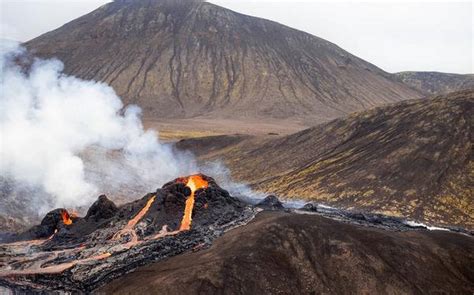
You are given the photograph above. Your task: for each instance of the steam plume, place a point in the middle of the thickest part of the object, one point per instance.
(72, 138)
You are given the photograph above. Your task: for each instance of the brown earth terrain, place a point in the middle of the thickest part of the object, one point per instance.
(188, 58)
(411, 159)
(282, 253)
(437, 83)
(177, 129)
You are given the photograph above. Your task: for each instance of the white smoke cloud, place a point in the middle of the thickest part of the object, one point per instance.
(72, 138)
(222, 175)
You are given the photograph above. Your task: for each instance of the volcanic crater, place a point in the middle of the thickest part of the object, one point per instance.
(67, 252)
(188, 222)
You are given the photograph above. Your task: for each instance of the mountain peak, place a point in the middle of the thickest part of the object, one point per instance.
(171, 2)
(185, 59)
(149, 3)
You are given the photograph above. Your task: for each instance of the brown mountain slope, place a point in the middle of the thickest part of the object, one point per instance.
(280, 253)
(437, 83)
(190, 58)
(413, 159)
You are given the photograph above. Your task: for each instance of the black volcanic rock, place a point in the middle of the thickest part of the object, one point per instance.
(180, 59)
(367, 219)
(211, 204)
(270, 202)
(53, 218)
(103, 208)
(310, 207)
(51, 222)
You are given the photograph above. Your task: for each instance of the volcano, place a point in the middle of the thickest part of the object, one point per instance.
(191, 236)
(190, 58)
(66, 252)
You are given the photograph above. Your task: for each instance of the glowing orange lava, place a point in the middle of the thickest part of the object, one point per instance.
(66, 218)
(132, 222)
(194, 182)
(53, 269)
(128, 230)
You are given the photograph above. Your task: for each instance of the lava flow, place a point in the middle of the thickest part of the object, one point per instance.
(194, 182)
(128, 229)
(140, 214)
(70, 252)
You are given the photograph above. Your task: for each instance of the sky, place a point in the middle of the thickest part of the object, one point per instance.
(406, 35)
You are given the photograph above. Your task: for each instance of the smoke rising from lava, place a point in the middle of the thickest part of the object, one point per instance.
(72, 138)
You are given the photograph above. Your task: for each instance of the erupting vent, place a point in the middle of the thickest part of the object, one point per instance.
(66, 217)
(194, 182)
(89, 251)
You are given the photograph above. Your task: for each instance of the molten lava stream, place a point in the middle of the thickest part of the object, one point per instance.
(140, 214)
(53, 269)
(29, 243)
(128, 229)
(195, 182)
